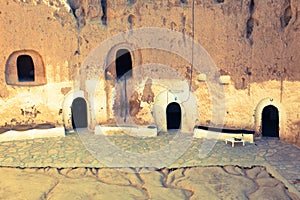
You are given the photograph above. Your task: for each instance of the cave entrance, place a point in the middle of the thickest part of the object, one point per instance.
(270, 121)
(173, 114)
(79, 113)
(123, 72)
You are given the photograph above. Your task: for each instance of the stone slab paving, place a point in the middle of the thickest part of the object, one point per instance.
(167, 150)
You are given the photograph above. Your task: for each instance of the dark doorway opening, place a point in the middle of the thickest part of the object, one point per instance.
(79, 113)
(173, 116)
(25, 68)
(123, 63)
(270, 121)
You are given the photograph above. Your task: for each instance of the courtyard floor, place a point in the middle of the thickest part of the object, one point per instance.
(85, 149)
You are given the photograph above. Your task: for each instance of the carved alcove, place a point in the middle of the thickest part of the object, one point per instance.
(25, 68)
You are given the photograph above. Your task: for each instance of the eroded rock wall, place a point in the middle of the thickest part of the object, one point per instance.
(48, 29)
(254, 42)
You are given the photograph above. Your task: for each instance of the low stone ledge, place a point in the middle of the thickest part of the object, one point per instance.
(31, 134)
(200, 133)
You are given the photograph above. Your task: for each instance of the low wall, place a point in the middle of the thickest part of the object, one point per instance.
(31, 134)
(210, 134)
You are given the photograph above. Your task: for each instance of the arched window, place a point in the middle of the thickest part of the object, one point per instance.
(25, 68)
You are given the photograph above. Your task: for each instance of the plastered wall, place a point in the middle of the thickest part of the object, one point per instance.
(254, 42)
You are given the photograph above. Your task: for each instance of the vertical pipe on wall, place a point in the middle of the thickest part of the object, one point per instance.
(193, 42)
(125, 98)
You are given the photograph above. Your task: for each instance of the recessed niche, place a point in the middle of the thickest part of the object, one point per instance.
(201, 77)
(183, 1)
(224, 80)
(131, 20)
(219, 1)
(25, 68)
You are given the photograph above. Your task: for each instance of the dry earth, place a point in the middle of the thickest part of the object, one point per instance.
(228, 182)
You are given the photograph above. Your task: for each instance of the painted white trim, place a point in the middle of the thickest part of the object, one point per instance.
(189, 110)
(258, 115)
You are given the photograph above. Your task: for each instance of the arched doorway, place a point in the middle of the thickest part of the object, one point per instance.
(79, 113)
(173, 114)
(270, 121)
(123, 63)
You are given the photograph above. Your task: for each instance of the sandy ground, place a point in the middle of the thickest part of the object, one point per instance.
(228, 182)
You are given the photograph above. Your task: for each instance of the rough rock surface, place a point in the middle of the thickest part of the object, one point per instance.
(184, 183)
(254, 42)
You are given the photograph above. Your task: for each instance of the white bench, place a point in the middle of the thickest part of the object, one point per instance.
(233, 141)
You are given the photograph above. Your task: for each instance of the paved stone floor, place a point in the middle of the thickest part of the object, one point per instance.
(170, 150)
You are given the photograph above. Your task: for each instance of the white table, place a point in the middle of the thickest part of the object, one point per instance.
(233, 141)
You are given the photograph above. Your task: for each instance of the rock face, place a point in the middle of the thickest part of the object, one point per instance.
(16, 184)
(253, 43)
(190, 183)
